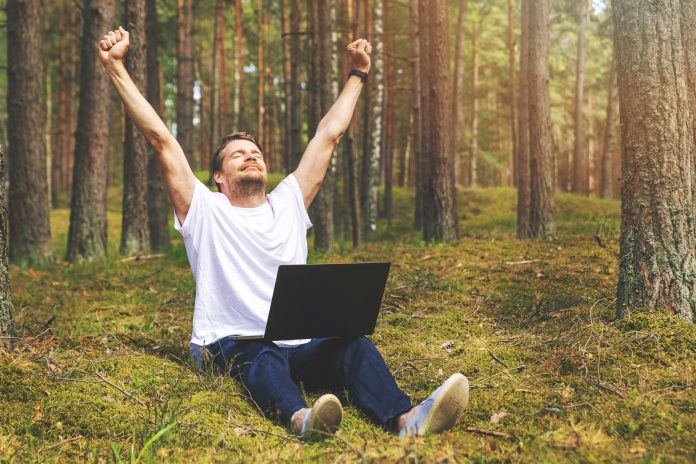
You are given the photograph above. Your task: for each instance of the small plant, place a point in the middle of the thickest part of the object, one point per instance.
(136, 459)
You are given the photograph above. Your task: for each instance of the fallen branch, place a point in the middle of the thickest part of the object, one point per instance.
(524, 261)
(140, 257)
(128, 394)
(62, 442)
(488, 432)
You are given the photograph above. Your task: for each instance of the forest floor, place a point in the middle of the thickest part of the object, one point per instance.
(101, 373)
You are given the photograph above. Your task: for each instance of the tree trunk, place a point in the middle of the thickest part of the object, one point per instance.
(214, 119)
(416, 111)
(580, 163)
(30, 232)
(440, 223)
(349, 153)
(87, 236)
(287, 86)
(524, 195)
(260, 73)
(158, 205)
(473, 155)
(184, 79)
(239, 68)
(322, 207)
(655, 50)
(457, 88)
(372, 160)
(543, 210)
(389, 109)
(513, 93)
(135, 236)
(608, 148)
(5, 300)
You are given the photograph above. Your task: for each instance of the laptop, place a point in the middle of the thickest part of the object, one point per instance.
(324, 300)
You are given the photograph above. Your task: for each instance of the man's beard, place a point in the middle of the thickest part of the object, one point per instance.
(249, 185)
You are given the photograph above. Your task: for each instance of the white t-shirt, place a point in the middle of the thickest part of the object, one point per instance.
(234, 255)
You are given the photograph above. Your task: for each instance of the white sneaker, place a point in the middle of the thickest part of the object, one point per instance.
(441, 410)
(323, 419)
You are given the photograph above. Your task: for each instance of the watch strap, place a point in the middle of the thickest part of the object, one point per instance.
(356, 72)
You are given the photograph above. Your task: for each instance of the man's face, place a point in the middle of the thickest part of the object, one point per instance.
(243, 168)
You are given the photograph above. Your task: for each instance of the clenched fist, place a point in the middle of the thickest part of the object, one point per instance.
(113, 46)
(360, 53)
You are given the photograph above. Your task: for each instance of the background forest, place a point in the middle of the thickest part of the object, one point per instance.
(483, 124)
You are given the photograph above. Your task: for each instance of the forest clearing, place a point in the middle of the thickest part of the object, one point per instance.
(348, 231)
(554, 375)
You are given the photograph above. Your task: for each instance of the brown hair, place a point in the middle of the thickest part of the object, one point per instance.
(216, 162)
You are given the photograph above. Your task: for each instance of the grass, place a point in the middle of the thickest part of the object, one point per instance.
(102, 371)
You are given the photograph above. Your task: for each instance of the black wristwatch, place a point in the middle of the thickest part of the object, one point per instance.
(356, 72)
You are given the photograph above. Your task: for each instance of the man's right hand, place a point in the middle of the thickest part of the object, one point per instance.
(114, 46)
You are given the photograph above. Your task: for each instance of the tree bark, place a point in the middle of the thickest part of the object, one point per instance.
(512, 93)
(416, 111)
(524, 193)
(30, 232)
(349, 152)
(438, 114)
(473, 151)
(158, 205)
(543, 210)
(608, 148)
(239, 68)
(260, 108)
(322, 207)
(372, 160)
(214, 119)
(389, 110)
(457, 88)
(135, 234)
(6, 331)
(579, 156)
(184, 79)
(87, 236)
(655, 50)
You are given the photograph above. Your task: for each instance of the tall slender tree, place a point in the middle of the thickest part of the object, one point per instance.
(349, 152)
(5, 294)
(512, 91)
(135, 234)
(372, 158)
(524, 196)
(158, 205)
(580, 161)
(184, 78)
(543, 210)
(439, 203)
(458, 88)
(87, 236)
(238, 105)
(416, 111)
(608, 147)
(655, 50)
(30, 232)
(389, 112)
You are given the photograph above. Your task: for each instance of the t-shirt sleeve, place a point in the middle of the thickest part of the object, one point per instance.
(289, 194)
(200, 204)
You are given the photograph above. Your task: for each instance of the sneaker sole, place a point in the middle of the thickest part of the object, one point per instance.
(448, 406)
(327, 414)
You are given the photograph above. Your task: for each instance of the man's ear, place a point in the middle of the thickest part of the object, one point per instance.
(217, 177)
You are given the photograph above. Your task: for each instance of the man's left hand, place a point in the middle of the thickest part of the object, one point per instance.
(360, 53)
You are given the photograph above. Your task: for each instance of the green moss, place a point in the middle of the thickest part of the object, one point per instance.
(532, 324)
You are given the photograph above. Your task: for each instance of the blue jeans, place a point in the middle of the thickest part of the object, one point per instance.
(344, 365)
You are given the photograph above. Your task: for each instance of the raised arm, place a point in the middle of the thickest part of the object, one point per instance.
(311, 171)
(178, 176)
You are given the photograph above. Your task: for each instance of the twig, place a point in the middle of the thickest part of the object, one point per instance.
(140, 258)
(495, 358)
(128, 394)
(525, 261)
(488, 432)
(62, 442)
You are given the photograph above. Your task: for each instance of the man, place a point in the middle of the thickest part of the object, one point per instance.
(235, 241)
